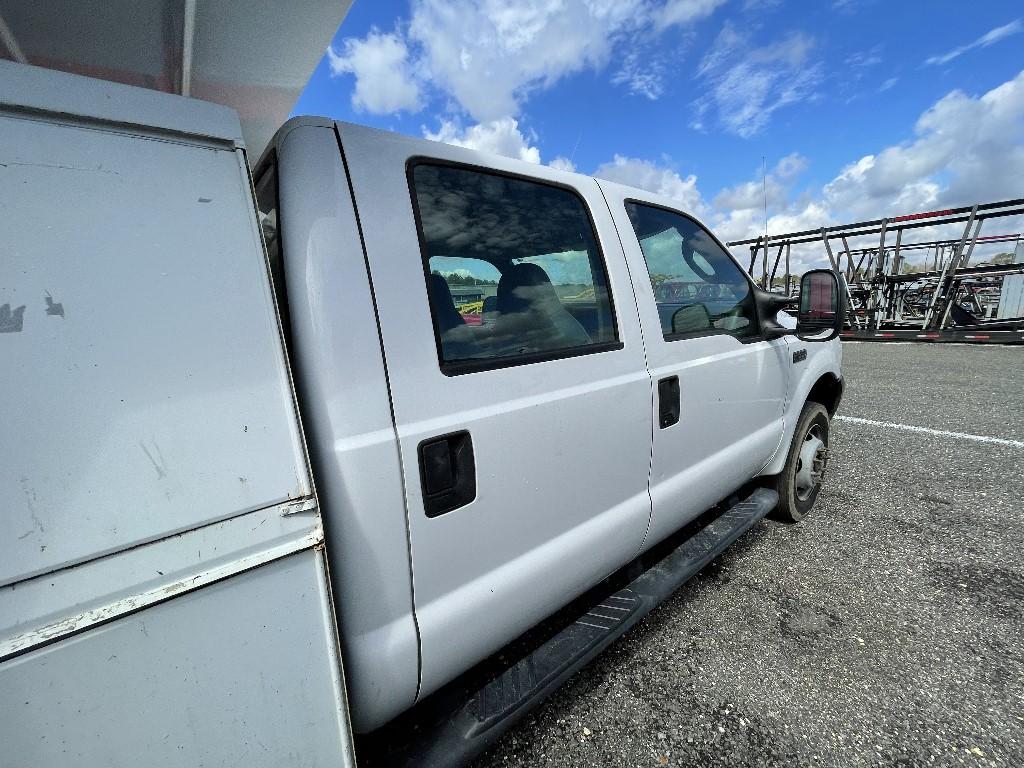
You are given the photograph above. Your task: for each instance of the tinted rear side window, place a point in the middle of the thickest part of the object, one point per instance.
(514, 271)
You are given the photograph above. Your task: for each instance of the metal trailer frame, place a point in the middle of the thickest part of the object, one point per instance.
(981, 284)
(886, 305)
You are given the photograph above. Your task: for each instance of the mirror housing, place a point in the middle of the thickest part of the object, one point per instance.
(822, 311)
(768, 307)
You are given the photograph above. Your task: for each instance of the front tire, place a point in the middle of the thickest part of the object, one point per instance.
(802, 477)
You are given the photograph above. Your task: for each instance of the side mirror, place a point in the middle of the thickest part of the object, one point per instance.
(692, 318)
(768, 307)
(822, 306)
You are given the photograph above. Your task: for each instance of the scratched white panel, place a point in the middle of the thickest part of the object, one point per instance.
(240, 673)
(144, 390)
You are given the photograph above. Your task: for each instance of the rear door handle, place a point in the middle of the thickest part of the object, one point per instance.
(447, 472)
(668, 401)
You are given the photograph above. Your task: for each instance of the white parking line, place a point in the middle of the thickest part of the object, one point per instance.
(938, 432)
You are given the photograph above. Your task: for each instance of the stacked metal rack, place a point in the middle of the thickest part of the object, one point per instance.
(948, 301)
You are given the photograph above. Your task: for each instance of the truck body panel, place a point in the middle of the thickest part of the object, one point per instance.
(222, 676)
(342, 384)
(152, 391)
(164, 591)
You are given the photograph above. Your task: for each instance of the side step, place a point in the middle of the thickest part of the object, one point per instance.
(459, 722)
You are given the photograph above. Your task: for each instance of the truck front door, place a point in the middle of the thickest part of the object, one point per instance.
(521, 398)
(719, 387)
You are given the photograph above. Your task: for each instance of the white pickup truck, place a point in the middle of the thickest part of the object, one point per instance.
(386, 401)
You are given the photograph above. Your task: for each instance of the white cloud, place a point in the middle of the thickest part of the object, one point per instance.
(562, 164)
(739, 211)
(791, 165)
(990, 37)
(490, 55)
(864, 59)
(654, 178)
(773, 187)
(501, 137)
(747, 85)
(384, 83)
(642, 75)
(965, 149)
(685, 11)
(888, 84)
(751, 194)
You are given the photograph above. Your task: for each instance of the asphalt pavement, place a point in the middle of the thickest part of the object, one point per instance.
(884, 629)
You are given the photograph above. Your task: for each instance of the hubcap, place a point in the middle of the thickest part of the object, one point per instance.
(811, 462)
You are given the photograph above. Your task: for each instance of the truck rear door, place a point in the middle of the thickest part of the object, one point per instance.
(521, 398)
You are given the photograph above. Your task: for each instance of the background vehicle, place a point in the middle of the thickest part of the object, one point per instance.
(473, 476)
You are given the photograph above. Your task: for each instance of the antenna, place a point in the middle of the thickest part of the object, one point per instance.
(764, 188)
(572, 155)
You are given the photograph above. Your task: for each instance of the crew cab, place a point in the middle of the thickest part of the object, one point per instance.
(465, 418)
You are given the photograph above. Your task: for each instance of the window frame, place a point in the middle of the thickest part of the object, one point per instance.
(278, 282)
(670, 337)
(461, 367)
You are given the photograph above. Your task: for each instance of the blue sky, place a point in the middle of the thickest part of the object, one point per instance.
(860, 108)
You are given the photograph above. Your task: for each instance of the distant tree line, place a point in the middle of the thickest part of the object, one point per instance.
(456, 278)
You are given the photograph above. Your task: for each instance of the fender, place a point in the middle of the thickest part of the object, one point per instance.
(820, 373)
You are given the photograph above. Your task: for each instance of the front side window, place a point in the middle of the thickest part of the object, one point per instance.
(698, 288)
(514, 271)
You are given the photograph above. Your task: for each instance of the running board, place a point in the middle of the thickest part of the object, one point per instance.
(459, 722)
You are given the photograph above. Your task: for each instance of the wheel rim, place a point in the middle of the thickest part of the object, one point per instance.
(811, 462)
